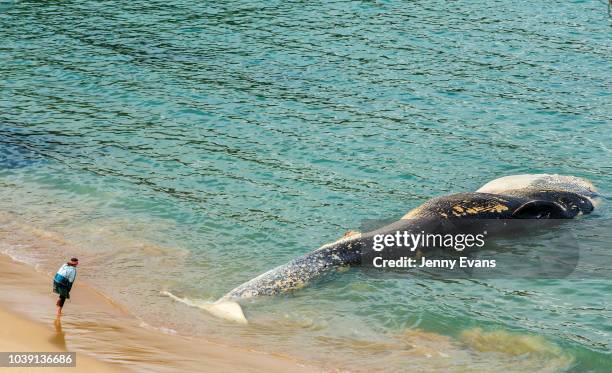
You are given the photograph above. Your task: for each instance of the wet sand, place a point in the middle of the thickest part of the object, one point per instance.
(95, 325)
(20, 335)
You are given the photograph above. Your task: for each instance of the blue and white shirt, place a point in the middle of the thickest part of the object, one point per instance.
(66, 275)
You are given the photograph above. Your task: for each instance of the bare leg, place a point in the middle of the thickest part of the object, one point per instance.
(60, 305)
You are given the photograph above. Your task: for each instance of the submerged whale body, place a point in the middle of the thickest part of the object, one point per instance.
(15, 151)
(538, 196)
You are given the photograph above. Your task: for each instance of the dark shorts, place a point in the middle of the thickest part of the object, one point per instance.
(61, 289)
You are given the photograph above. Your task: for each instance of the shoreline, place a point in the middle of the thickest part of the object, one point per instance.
(104, 326)
(95, 325)
(19, 334)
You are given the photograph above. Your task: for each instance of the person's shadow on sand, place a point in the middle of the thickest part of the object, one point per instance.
(59, 339)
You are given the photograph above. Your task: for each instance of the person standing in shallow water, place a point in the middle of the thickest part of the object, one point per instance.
(62, 282)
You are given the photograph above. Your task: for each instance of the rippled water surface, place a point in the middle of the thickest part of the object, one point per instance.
(189, 146)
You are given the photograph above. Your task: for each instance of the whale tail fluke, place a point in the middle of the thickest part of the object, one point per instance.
(223, 309)
(227, 310)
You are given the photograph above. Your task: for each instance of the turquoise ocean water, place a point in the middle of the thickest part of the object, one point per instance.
(189, 146)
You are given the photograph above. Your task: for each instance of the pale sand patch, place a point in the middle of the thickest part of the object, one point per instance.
(96, 325)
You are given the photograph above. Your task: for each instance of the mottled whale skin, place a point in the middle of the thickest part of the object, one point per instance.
(539, 196)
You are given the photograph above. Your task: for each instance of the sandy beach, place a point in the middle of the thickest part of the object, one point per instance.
(105, 336)
(20, 335)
